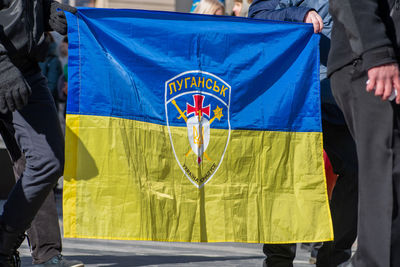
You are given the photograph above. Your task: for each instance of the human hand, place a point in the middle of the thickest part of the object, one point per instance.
(384, 79)
(313, 17)
(57, 20)
(14, 89)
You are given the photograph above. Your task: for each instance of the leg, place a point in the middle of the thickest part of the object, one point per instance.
(370, 122)
(395, 240)
(340, 147)
(279, 255)
(314, 250)
(44, 234)
(37, 132)
(10, 239)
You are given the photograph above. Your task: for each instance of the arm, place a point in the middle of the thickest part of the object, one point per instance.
(267, 9)
(367, 35)
(54, 16)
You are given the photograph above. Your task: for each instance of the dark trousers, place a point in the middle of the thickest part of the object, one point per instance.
(33, 135)
(44, 234)
(375, 128)
(340, 147)
(279, 255)
(341, 150)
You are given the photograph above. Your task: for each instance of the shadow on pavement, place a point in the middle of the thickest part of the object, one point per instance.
(138, 260)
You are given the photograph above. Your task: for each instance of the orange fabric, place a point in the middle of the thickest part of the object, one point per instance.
(331, 177)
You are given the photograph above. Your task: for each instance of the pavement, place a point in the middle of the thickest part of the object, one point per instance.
(144, 253)
(94, 252)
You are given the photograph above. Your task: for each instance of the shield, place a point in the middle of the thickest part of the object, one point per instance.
(198, 134)
(197, 116)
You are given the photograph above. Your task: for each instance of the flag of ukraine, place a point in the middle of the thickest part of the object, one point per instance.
(185, 127)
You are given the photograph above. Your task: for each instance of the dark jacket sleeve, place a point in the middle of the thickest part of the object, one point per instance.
(365, 29)
(46, 14)
(267, 9)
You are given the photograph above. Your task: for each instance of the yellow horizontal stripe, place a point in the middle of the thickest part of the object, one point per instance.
(269, 188)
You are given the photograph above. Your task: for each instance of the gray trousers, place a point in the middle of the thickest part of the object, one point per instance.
(374, 125)
(33, 135)
(44, 234)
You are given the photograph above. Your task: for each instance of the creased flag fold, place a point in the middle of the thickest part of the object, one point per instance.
(185, 127)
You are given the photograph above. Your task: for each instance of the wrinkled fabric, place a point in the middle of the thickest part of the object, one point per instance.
(173, 135)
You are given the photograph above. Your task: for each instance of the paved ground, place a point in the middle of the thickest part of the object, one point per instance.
(144, 253)
(135, 253)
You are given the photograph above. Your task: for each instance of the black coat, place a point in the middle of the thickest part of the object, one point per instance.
(22, 27)
(366, 30)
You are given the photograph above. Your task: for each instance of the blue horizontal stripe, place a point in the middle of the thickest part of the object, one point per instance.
(121, 60)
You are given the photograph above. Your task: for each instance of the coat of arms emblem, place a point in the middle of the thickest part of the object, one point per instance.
(197, 114)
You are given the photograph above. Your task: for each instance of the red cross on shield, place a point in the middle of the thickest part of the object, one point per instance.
(198, 108)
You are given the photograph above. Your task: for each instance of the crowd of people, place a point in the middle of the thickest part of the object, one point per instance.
(360, 96)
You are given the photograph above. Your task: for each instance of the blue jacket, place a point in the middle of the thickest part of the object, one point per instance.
(51, 68)
(295, 10)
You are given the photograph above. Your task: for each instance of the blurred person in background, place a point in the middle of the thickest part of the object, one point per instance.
(63, 51)
(196, 3)
(62, 82)
(241, 8)
(210, 7)
(51, 68)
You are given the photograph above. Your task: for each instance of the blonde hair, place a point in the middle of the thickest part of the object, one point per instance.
(248, 1)
(209, 7)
